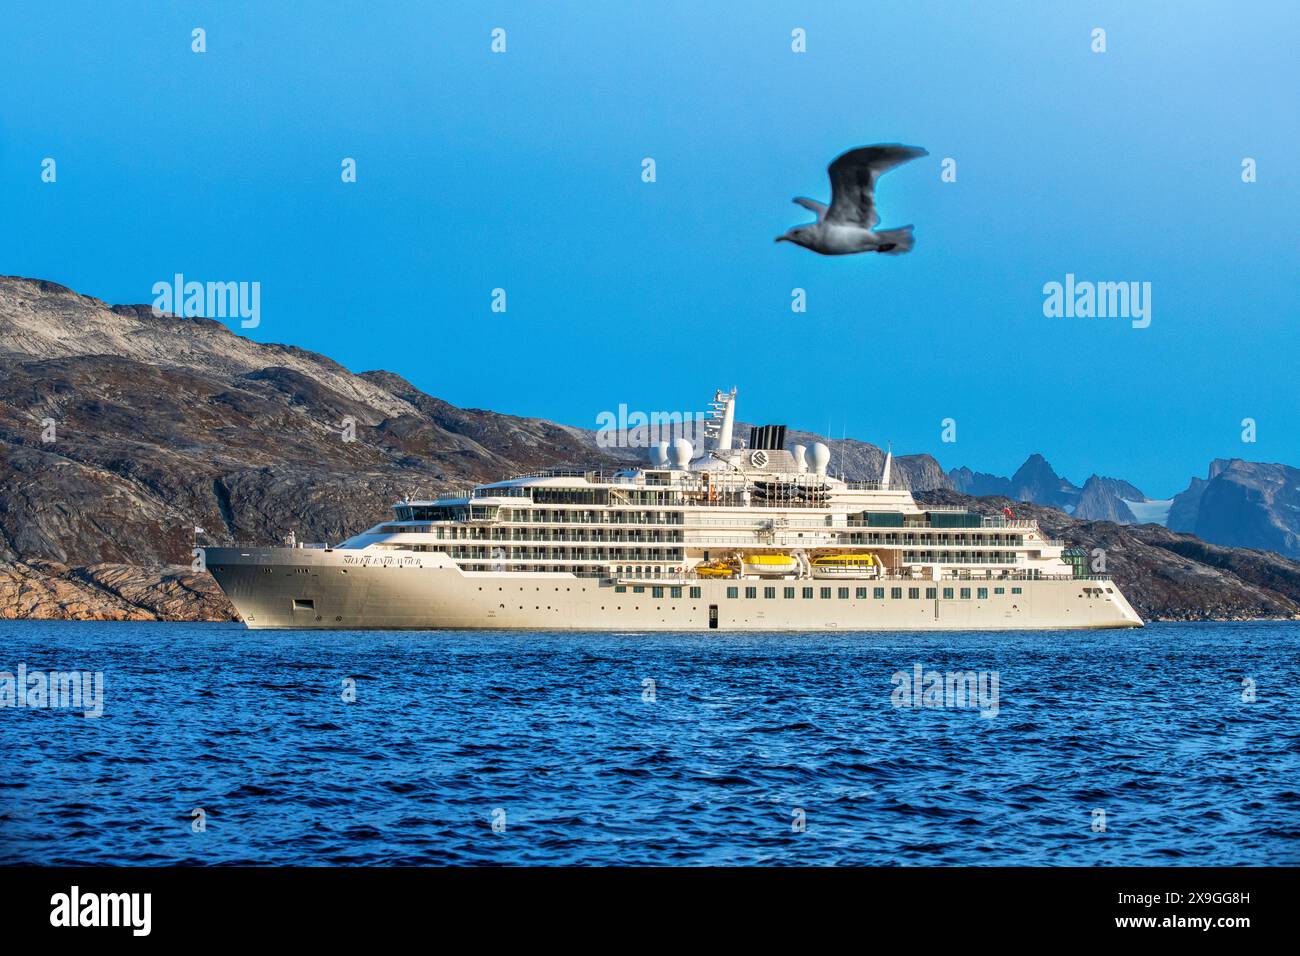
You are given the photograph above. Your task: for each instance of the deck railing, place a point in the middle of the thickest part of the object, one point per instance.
(948, 575)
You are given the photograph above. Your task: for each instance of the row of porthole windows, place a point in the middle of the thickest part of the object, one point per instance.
(878, 594)
(860, 594)
(656, 590)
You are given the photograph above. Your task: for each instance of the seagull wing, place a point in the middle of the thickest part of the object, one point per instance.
(853, 181)
(813, 206)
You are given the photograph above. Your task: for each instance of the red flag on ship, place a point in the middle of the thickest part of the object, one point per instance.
(1008, 512)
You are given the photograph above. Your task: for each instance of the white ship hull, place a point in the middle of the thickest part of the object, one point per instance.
(348, 590)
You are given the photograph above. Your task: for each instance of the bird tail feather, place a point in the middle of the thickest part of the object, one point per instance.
(895, 242)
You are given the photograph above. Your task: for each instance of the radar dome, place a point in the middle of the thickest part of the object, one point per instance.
(659, 455)
(682, 452)
(821, 457)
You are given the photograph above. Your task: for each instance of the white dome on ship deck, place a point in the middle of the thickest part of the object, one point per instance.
(682, 452)
(821, 458)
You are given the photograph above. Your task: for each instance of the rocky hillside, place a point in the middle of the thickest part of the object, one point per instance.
(1166, 575)
(121, 431)
(47, 590)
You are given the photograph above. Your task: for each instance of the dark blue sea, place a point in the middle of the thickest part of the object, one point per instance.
(1107, 748)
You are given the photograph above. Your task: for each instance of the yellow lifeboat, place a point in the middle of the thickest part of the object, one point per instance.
(716, 569)
(770, 565)
(847, 565)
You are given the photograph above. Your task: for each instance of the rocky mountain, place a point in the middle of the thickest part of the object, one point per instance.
(1186, 507)
(1243, 504)
(121, 431)
(1034, 481)
(1106, 499)
(1100, 499)
(1166, 575)
(979, 483)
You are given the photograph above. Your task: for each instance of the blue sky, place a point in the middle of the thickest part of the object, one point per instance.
(522, 171)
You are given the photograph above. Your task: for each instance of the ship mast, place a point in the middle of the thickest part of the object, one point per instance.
(722, 418)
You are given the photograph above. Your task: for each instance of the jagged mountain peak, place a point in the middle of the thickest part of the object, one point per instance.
(1243, 504)
(1036, 480)
(1103, 499)
(1035, 467)
(1116, 486)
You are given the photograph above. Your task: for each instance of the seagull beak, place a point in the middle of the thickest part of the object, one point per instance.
(781, 239)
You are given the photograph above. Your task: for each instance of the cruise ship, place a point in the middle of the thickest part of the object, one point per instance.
(736, 536)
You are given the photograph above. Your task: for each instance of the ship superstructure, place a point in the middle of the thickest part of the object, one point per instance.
(738, 536)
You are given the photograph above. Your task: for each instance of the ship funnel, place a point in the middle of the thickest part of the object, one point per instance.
(659, 455)
(800, 462)
(682, 452)
(821, 457)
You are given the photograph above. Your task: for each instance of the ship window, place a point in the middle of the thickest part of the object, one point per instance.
(913, 594)
(844, 594)
(931, 593)
(304, 604)
(620, 589)
(807, 592)
(878, 593)
(657, 592)
(981, 593)
(826, 593)
(862, 594)
(965, 594)
(896, 593)
(947, 594)
(638, 589)
(695, 592)
(733, 592)
(999, 590)
(1015, 590)
(676, 592)
(751, 592)
(789, 592)
(769, 593)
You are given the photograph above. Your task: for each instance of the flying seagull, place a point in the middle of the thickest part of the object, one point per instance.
(846, 225)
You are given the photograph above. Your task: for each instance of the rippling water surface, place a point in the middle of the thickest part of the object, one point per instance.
(550, 735)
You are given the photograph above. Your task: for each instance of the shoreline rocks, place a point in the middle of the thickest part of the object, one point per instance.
(40, 589)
